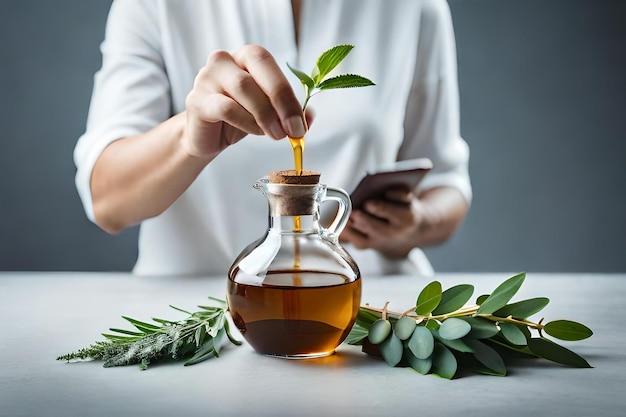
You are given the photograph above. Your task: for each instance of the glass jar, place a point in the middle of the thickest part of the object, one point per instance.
(296, 292)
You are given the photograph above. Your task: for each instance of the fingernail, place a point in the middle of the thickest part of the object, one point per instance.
(295, 127)
(277, 130)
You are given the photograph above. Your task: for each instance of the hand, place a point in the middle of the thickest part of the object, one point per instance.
(386, 225)
(239, 94)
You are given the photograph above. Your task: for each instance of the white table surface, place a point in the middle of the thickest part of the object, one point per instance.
(47, 314)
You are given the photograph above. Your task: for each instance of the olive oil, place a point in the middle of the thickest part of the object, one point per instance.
(280, 319)
(298, 148)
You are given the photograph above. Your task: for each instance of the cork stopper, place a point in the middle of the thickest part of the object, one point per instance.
(290, 177)
(291, 194)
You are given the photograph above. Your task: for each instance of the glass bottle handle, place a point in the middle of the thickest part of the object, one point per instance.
(343, 213)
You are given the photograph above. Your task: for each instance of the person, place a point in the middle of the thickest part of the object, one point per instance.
(193, 100)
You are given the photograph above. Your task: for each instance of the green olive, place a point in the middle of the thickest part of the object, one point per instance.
(379, 331)
(404, 327)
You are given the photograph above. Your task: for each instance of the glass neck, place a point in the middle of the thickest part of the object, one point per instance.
(295, 224)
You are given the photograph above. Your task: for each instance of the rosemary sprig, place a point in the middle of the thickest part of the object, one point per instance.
(440, 335)
(194, 339)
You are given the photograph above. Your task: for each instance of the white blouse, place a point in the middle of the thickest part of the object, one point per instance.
(154, 48)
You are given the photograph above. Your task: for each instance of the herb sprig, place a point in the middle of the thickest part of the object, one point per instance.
(441, 336)
(318, 80)
(194, 339)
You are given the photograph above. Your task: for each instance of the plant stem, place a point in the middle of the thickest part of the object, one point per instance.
(468, 311)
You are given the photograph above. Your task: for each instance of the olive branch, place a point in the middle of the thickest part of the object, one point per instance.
(441, 336)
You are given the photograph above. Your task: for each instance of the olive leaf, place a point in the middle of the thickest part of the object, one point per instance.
(391, 349)
(513, 333)
(482, 328)
(421, 343)
(404, 327)
(444, 362)
(428, 298)
(422, 366)
(523, 309)
(453, 328)
(454, 298)
(567, 330)
(457, 344)
(357, 335)
(501, 295)
(379, 331)
(487, 356)
(547, 349)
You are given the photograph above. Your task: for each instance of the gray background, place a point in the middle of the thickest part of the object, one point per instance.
(543, 96)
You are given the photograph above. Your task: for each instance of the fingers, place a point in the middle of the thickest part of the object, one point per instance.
(248, 91)
(381, 222)
(395, 214)
(260, 64)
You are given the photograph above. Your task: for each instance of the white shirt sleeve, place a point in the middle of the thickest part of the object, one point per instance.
(432, 121)
(131, 90)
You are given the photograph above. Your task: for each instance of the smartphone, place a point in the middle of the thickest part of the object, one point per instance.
(405, 175)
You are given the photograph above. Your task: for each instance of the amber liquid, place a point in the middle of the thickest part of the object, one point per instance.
(297, 145)
(305, 321)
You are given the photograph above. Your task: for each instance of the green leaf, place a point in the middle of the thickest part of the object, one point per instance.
(379, 331)
(180, 309)
(458, 344)
(432, 325)
(365, 318)
(454, 298)
(119, 338)
(506, 344)
(523, 309)
(420, 365)
(444, 362)
(357, 335)
(421, 342)
(391, 350)
(304, 78)
(428, 299)
(454, 328)
(487, 356)
(551, 351)
(219, 341)
(501, 295)
(481, 299)
(129, 332)
(328, 60)
(211, 309)
(144, 364)
(404, 327)
(567, 330)
(204, 352)
(146, 328)
(513, 333)
(345, 81)
(481, 328)
(161, 321)
(469, 362)
(199, 335)
(232, 338)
